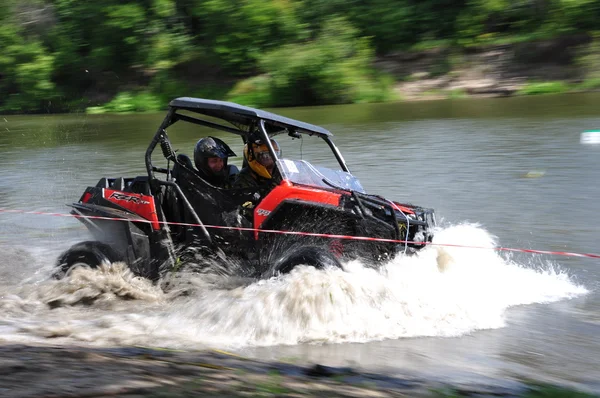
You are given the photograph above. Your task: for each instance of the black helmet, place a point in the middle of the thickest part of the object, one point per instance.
(211, 147)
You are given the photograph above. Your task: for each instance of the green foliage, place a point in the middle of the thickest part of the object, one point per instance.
(589, 60)
(544, 88)
(106, 36)
(167, 49)
(588, 84)
(127, 102)
(482, 20)
(126, 18)
(254, 91)
(272, 386)
(431, 45)
(548, 391)
(457, 93)
(332, 69)
(574, 15)
(169, 84)
(240, 32)
(391, 25)
(56, 53)
(25, 70)
(533, 391)
(164, 8)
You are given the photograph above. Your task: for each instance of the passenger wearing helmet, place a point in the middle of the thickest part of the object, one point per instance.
(210, 157)
(258, 170)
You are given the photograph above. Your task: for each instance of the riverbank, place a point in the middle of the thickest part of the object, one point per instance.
(565, 64)
(551, 66)
(493, 69)
(275, 55)
(59, 371)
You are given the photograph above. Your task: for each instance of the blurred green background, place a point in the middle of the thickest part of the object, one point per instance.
(136, 55)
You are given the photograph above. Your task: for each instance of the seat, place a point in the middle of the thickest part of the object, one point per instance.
(182, 159)
(119, 184)
(233, 171)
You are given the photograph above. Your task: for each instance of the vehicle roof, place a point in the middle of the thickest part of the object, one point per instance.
(240, 114)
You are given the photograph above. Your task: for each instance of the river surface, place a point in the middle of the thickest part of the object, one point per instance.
(498, 172)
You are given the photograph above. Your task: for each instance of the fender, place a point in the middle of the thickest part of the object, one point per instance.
(132, 237)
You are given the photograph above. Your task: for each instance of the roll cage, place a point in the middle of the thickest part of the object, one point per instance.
(249, 123)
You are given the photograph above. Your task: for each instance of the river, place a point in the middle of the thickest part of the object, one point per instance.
(509, 172)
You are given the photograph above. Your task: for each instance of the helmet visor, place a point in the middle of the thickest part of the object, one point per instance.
(216, 152)
(213, 147)
(264, 156)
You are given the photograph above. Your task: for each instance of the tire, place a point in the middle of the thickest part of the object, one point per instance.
(305, 255)
(84, 254)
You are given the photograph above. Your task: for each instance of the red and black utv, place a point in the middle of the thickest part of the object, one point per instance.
(153, 224)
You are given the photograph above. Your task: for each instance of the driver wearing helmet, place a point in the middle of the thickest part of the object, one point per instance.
(210, 157)
(259, 165)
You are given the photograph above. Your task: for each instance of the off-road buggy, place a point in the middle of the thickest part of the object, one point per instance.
(154, 224)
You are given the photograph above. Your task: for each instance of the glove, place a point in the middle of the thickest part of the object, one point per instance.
(248, 210)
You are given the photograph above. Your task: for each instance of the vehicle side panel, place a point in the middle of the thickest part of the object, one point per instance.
(143, 205)
(287, 191)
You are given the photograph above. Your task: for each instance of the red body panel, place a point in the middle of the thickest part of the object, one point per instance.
(142, 205)
(287, 190)
(403, 208)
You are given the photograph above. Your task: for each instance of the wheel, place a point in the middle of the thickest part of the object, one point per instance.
(84, 254)
(305, 255)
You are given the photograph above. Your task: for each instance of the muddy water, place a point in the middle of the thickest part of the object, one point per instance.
(508, 172)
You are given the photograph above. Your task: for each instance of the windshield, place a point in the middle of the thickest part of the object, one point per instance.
(302, 172)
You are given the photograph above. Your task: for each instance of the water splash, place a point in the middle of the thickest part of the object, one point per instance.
(107, 284)
(441, 291)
